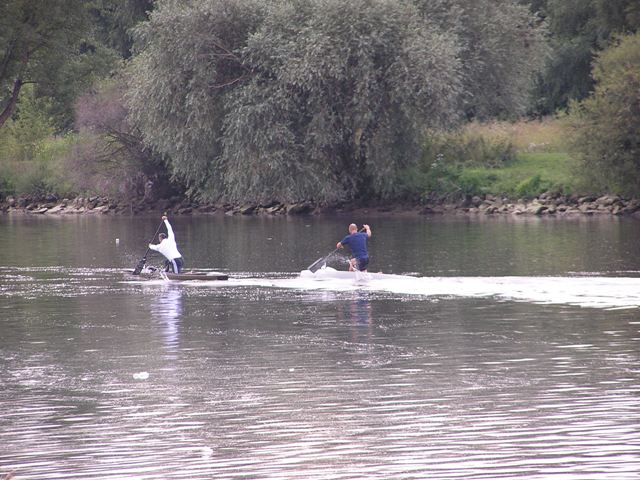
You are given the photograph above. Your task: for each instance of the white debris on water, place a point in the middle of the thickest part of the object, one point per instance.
(141, 375)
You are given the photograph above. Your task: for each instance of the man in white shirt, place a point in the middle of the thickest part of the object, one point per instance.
(169, 249)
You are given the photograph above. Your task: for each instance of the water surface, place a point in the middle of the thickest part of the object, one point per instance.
(511, 353)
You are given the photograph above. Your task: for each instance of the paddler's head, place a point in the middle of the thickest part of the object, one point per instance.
(353, 228)
(162, 236)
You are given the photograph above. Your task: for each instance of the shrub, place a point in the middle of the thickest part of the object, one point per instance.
(109, 157)
(30, 155)
(445, 182)
(456, 164)
(44, 173)
(532, 187)
(467, 148)
(606, 126)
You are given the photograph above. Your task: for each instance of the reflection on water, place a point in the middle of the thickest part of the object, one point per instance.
(274, 376)
(357, 313)
(168, 310)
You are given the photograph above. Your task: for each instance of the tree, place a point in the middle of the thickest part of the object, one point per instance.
(189, 57)
(502, 48)
(347, 89)
(53, 46)
(114, 20)
(606, 125)
(578, 29)
(110, 156)
(35, 38)
(319, 99)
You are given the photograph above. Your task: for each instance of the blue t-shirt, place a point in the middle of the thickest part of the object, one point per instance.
(358, 244)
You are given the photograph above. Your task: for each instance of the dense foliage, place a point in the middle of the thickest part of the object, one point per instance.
(246, 100)
(578, 29)
(607, 124)
(46, 44)
(500, 49)
(322, 100)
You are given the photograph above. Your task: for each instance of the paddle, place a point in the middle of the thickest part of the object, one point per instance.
(317, 265)
(140, 265)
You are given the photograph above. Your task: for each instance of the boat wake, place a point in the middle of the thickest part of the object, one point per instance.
(586, 291)
(594, 290)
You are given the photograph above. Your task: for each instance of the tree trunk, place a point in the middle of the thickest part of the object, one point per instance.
(13, 101)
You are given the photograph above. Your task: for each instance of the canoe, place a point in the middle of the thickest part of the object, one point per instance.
(196, 276)
(207, 276)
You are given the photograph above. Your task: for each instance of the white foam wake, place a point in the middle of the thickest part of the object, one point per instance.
(586, 291)
(592, 291)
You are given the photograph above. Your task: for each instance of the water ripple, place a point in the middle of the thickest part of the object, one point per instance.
(262, 383)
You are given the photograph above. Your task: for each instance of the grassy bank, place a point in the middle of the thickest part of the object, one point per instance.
(531, 174)
(514, 160)
(36, 168)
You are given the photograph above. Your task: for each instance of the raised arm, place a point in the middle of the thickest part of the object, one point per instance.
(367, 229)
(170, 234)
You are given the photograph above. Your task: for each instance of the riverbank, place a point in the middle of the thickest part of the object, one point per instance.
(546, 204)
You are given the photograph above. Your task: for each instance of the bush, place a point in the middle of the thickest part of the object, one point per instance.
(444, 182)
(42, 174)
(30, 155)
(532, 187)
(606, 126)
(456, 164)
(109, 157)
(467, 148)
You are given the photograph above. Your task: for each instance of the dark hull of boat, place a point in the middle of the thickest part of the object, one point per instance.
(206, 276)
(196, 276)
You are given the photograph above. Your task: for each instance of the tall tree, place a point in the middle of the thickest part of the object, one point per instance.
(502, 48)
(35, 39)
(320, 99)
(606, 124)
(578, 29)
(56, 46)
(113, 21)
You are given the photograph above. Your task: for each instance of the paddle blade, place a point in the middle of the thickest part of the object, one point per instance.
(139, 266)
(317, 265)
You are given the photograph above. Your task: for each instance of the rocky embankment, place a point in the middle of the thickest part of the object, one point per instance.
(103, 205)
(546, 204)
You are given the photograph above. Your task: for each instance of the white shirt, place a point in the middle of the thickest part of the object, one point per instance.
(167, 247)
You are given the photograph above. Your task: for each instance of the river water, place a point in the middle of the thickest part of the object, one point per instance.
(490, 349)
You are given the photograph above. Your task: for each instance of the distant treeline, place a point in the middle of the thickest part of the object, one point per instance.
(289, 100)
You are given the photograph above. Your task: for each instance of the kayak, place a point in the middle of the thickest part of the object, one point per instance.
(195, 276)
(191, 275)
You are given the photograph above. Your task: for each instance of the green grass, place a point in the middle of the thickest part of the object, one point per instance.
(530, 175)
(38, 171)
(514, 160)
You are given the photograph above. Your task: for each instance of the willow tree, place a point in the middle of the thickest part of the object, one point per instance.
(313, 99)
(502, 48)
(338, 99)
(187, 59)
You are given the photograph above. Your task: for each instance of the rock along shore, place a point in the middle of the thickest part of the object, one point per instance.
(547, 204)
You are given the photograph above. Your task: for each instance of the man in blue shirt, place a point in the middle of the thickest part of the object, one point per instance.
(357, 241)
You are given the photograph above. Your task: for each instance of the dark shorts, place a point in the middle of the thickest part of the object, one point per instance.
(362, 263)
(170, 267)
